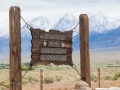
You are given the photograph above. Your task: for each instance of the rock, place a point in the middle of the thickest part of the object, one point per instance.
(82, 86)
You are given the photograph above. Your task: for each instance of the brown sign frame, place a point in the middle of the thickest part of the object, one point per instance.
(53, 46)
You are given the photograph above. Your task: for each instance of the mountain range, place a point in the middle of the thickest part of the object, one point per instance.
(104, 31)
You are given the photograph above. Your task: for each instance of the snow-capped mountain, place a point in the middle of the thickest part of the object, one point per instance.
(100, 27)
(97, 23)
(4, 31)
(109, 39)
(39, 22)
(4, 43)
(67, 22)
(42, 22)
(117, 22)
(101, 23)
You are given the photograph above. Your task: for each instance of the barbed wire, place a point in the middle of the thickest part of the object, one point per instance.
(25, 22)
(74, 67)
(28, 26)
(26, 71)
(74, 29)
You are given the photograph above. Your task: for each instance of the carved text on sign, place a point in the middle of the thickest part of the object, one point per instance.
(52, 36)
(53, 57)
(53, 46)
(53, 50)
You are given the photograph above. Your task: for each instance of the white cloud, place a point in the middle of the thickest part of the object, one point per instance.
(55, 8)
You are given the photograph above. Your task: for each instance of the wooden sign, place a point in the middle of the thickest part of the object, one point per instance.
(51, 47)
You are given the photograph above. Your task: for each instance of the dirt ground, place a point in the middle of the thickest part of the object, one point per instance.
(66, 85)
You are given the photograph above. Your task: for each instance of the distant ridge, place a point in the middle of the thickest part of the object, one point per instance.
(104, 33)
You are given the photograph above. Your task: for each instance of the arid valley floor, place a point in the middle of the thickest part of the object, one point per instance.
(64, 77)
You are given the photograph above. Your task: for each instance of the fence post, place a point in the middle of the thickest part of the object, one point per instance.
(15, 48)
(98, 77)
(84, 48)
(41, 79)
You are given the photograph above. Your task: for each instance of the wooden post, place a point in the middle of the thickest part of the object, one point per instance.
(84, 48)
(15, 48)
(41, 79)
(98, 77)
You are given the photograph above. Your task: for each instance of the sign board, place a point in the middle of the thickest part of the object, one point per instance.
(51, 47)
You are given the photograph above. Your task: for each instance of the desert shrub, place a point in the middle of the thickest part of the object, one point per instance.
(94, 78)
(48, 80)
(7, 67)
(77, 78)
(107, 77)
(31, 68)
(3, 88)
(26, 64)
(31, 79)
(2, 67)
(26, 68)
(53, 67)
(116, 76)
(58, 78)
(24, 81)
(113, 66)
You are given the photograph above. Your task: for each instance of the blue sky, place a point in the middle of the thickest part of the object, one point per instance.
(56, 8)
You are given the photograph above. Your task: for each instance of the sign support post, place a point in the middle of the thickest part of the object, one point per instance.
(15, 48)
(98, 77)
(41, 79)
(84, 48)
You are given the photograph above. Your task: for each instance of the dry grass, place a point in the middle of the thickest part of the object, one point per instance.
(53, 86)
(106, 84)
(69, 76)
(67, 83)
